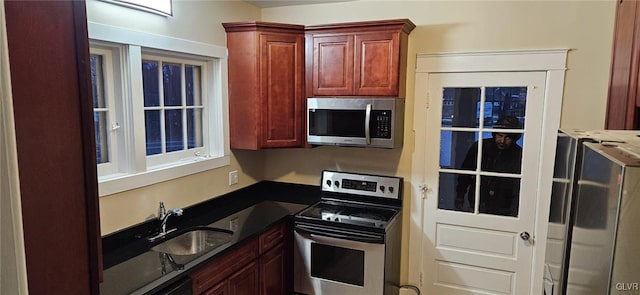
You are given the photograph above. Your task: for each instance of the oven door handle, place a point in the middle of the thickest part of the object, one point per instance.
(357, 238)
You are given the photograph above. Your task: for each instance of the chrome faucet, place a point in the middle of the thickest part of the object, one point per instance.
(164, 215)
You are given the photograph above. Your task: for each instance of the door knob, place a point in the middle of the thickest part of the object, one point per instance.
(525, 236)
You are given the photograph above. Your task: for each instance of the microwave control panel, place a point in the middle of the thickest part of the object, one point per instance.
(380, 124)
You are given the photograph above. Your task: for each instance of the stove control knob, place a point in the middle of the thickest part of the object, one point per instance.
(329, 182)
(391, 189)
(382, 188)
(336, 183)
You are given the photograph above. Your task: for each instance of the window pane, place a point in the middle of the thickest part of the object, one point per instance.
(499, 195)
(460, 107)
(173, 130)
(153, 134)
(192, 81)
(456, 192)
(172, 83)
(97, 81)
(150, 83)
(194, 128)
(102, 143)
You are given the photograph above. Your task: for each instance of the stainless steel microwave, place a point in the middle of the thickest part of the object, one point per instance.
(362, 122)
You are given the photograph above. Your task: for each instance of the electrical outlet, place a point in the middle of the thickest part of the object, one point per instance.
(233, 224)
(233, 177)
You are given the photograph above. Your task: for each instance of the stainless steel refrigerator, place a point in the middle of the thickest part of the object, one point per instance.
(566, 166)
(604, 242)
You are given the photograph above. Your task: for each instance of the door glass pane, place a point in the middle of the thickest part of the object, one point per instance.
(501, 152)
(171, 83)
(499, 195)
(473, 143)
(459, 107)
(505, 101)
(150, 83)
(454, 147)
(173, 130)
(456, 191)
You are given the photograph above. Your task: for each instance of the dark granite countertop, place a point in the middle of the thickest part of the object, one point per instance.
(130, 267)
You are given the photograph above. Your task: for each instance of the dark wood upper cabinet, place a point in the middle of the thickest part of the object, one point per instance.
(266, 84)
(357, 59)
(624, 98)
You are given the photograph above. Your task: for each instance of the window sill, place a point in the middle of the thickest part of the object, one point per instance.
(117, 183)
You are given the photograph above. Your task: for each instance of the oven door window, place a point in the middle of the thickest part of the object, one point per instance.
(337, 264)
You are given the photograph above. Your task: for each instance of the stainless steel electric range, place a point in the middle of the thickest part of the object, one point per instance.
(349, 241)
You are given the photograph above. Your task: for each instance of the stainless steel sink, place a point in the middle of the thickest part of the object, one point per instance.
(195, 240)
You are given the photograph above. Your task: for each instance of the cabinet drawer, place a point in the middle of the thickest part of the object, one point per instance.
(221, 267)
(274, 236)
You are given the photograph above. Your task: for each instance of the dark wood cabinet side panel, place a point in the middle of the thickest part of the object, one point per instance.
(57, 185)
(244, 111)
(622, 68)
(402, 67)
(333, 65)
(282, 65)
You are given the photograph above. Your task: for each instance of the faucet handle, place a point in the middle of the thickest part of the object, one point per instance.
(177, 211)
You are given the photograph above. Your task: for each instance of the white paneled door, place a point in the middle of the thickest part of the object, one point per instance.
(481, 169)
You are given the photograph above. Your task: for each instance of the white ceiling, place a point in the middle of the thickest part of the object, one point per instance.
(278, 3)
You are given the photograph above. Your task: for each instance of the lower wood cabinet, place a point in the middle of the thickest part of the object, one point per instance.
(274, 277)
(260, 266)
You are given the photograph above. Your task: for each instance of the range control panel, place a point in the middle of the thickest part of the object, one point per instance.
(361, 184)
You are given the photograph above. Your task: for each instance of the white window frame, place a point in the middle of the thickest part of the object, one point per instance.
(114, 139)
(159, 160)
(128, 47)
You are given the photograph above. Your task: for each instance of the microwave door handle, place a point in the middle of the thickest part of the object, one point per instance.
(367, 119)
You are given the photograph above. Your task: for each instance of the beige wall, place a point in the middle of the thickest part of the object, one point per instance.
(196, 21)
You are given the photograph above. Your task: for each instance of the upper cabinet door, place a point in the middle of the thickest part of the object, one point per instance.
(281, 67)
(377, 64)
(333, 65)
